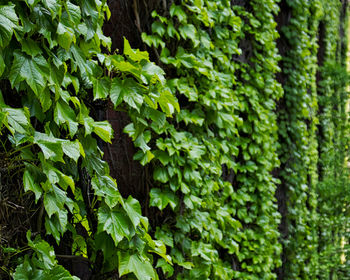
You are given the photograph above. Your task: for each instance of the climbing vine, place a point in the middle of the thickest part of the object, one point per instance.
(241, 121)
(297, 120)
(212, 167)
(52, 71)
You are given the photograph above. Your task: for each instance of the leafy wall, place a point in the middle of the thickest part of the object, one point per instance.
(240, 126)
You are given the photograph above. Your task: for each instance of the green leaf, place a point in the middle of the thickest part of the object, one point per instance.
(117, 93)
(50, 204)
(161, 199)
(30, 47)
(135, 55)
(133, 209)
(43, 251)
(101, 88)
(59, 273)
(128, 90)
(161, 175)
(33, 70)
(18, 120)
(132, 264)
(26, 272)
(115, 223)
(167, 269)
(31, 185)
(8, 23)
(2, 64)
(66, 36)
(158, 27)
(74, 13)
(104, 130)
(190, 32)
(176, 10)
(65, 114)
(51, 146)
(71, 149)
(153, 73)
(53, 6)
(106, 186)
(131, 94)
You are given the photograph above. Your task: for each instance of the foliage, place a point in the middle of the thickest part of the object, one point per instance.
(52, 69)
(213, 163)
(297, 120)
(334, 184)
(217, 162)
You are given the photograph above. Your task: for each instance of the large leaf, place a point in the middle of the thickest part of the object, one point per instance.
(106, 186)
(30, 185)
(65, 114)
(128, 90)
(133, 264)
(161, 199)
(33, 70)
(135, 55)
(17, 120)
(133, 208)
(8, 22)
(115, 223)
(101, 88)
(103, 130)
(43, 251)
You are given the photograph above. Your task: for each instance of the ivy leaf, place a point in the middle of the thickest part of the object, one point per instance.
(74, 13)
(117, 93)
(132, 94)
(65, 114)
(66, 36)
(51, 146)
(176, 10)
(104, 130)
(114, 223)
(8, 23)
(133, 264)
(17, 120)
(101, 88)
(30, 47)
(32, 70)
(189, 31)
(71, 149)
(26, 272)
(161, 199)
(128, 90)
(43, 250)
(153, 73)
(107, 187)
(133, 209)
(50, 204)
(53, 6)
(2, 64)
(59, 273)
(135, 55)
(31, 185)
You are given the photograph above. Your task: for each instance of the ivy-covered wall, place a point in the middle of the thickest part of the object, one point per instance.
(231, 134)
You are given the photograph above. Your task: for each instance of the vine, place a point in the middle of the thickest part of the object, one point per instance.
(213, 164)
(52, 70)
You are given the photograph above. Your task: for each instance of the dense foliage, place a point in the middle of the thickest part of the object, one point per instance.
(297, 120)
(52, 69)
(243, 125)
(218, 156)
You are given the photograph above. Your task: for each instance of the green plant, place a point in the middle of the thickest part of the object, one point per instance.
(52, 70)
